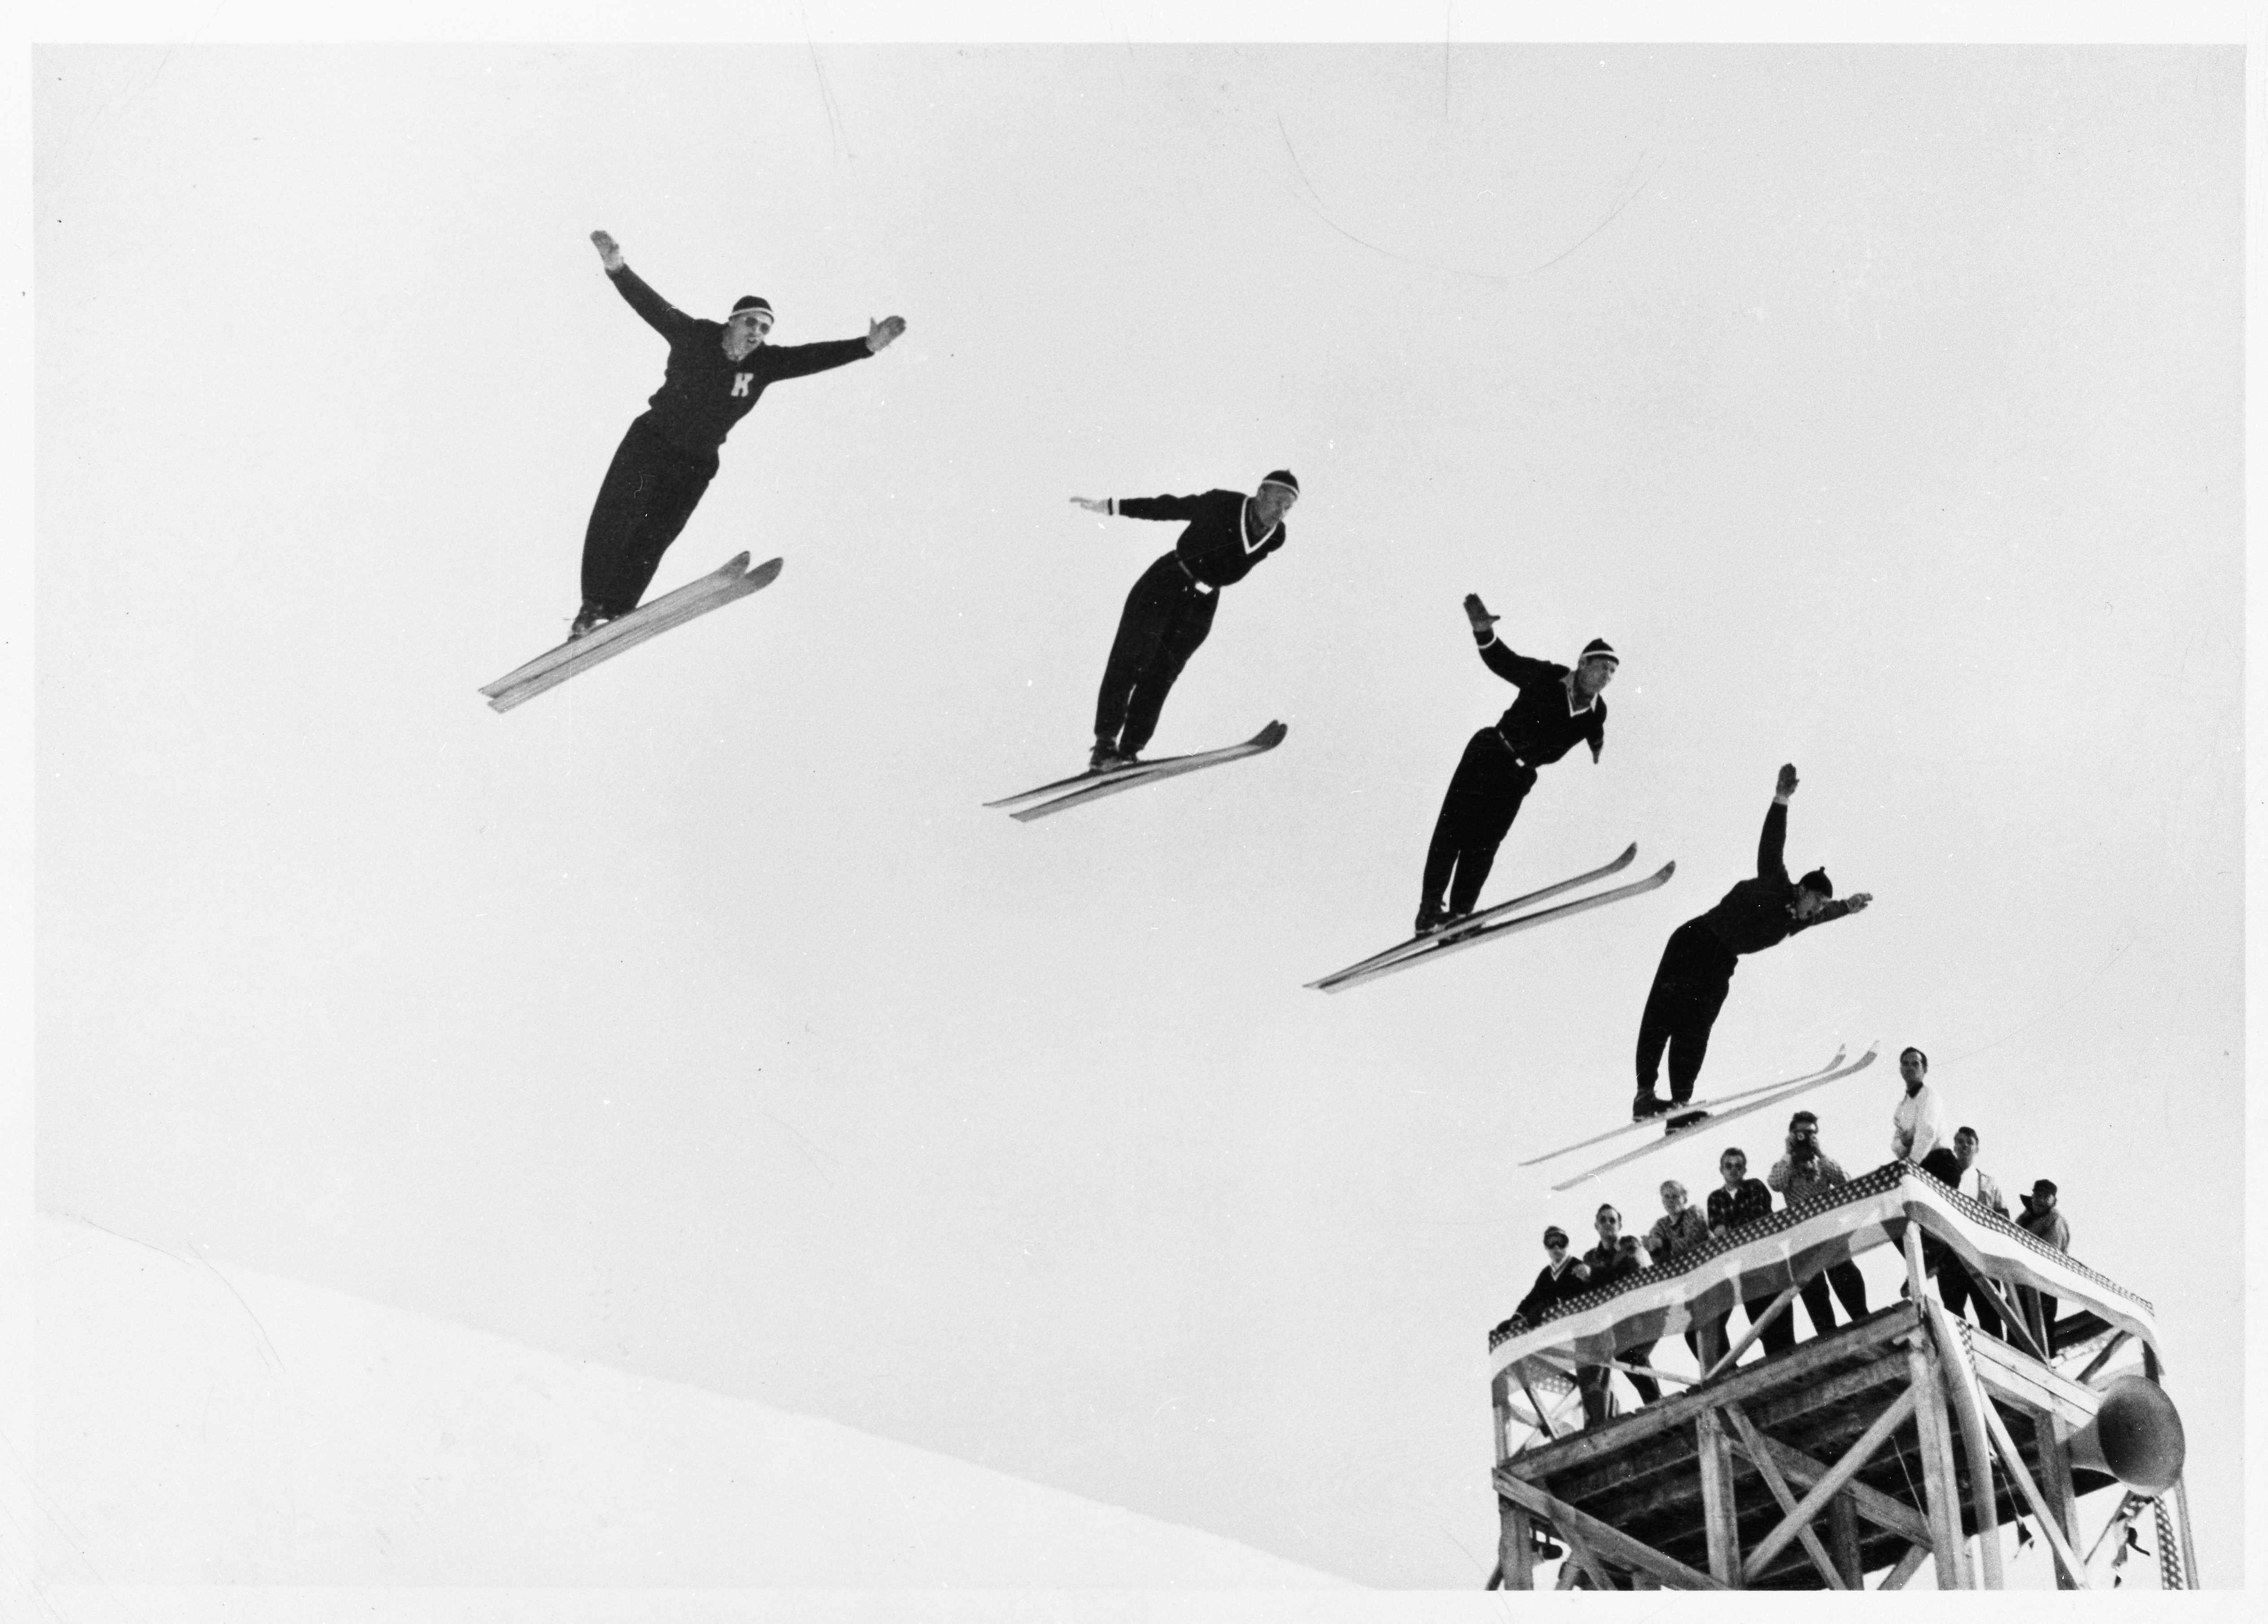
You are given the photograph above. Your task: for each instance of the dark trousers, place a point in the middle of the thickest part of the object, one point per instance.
(1591, 1380)
(1165, 621)
(1780, 1336)
(1848, 1283)
(1959, 1291)
(1688, 988)
(651, 489)
(1484, 796)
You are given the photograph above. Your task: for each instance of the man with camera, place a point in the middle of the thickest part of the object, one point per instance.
(1806, 1171)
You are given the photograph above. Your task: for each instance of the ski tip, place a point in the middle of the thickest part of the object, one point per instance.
(736, 562)
(1630, 852)
(1271, 736)
(765, 573)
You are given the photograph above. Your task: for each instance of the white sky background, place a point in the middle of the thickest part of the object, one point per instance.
(697, 1019)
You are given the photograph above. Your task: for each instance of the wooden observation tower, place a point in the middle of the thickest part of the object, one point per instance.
(1907, 1438)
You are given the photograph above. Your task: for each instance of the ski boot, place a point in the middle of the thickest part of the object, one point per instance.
(587, 621)
(1680, 1119)
(1432, 917)
(1648, 1106)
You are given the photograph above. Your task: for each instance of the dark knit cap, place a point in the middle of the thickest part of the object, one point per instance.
(1817, 880)
(1284, 477)
(1554, 1232)
(1600, 649)
(749, 301)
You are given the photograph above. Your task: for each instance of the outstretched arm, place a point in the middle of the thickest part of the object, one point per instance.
(657, 311)
(1839, 908)
(1516, 669)
(774, 362)
(1143, 507)
(1772, 846)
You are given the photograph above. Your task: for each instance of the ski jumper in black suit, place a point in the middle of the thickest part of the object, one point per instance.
(1696, 967)
(669, 455)
(1170, 610)
(1499, 769)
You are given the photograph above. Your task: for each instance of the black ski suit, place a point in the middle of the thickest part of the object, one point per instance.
(1696, 967)
(1499, 769)
(669, 454)
(1170, 610)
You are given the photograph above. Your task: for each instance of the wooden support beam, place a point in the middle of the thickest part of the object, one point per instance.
(1752, 1444)
(2011, 1319)
(1515, 1546)
(1756, 1328)
(1647, 1370)
(1872, 1384)
(1940, 1485)
(2096, 1364)
(1843, 1539)
(1720, 1504)
(1549, 1431)
(1904, 1568)
(1787, 1372)
(1583, 1558)
(1871, 1503)
(2010, 1375)
(1967, 1405)
(1607, 1542)
(1861, 1451)
(2013, 1463)
(2052, 1443)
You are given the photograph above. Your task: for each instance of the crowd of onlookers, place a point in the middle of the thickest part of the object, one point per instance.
(1802, 1172)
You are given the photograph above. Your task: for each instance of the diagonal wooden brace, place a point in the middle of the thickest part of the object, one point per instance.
(1861, 1451)
(1752, 1444)
(2013, 1464)
(1756, 1328)
(1607, 1541)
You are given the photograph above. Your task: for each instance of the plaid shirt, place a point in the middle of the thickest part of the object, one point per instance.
(1671, 1237)
(1730, 1210)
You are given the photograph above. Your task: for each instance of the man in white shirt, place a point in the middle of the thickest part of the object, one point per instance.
(1957, 1167)
(1918, 1125)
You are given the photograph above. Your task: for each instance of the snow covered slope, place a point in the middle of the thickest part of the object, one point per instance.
(203, 1425)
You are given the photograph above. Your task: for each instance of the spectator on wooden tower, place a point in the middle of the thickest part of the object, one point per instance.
(1741, 1200)
(1562, 1275)
(2043, 1219)
(1681, 1229)
(1806, 1171)
(1956, 1165)
(1918, 1125)
(1616, 1257)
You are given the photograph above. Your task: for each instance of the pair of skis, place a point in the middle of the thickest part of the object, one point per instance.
(1762, 1097)
(731, 582)
(1493, 923)
(1066, 793)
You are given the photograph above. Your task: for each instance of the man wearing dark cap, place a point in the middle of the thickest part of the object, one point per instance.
(1696, 967)
(1562, 1277)
(714, 373)
(1557, 709)
(1170, 610)
(2043, 1222)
